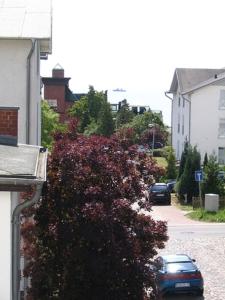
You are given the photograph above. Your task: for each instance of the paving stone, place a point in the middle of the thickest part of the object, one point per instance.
(210, 257)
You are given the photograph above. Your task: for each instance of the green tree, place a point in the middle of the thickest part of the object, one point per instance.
(205, 161)
(94, 113)
(124, 116)
(183, 160)
(140, 125)
(105, 120)
(187, 184)
(80, 111)
(49, 124)
(211, 182)
(171, 170)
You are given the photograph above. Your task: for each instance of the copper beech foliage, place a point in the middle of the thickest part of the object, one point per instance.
(88, 242)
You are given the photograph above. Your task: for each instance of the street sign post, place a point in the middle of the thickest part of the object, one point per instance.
(199, 178)
(198, 175)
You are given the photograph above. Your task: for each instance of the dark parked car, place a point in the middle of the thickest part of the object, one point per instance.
(171, 185)
(178, 274)
(221, 175)
(159, 193)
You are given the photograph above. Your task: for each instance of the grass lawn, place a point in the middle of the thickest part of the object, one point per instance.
(161, 161)
(202, 215)
(185, 207)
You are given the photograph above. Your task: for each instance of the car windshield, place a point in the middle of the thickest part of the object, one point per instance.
(180, 266)
(159, 188)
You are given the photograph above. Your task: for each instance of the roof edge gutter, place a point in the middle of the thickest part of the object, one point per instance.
(166, 94)
(16, 239)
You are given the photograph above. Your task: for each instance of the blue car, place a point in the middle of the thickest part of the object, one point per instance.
(178, 274)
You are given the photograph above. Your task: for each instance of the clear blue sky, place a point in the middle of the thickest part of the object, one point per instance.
(135, 44)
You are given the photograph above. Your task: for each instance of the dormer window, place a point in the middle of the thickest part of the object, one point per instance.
(222, 99)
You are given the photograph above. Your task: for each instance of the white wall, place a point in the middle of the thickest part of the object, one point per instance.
(5, 245)
(180, 113)
(13, 74)
(205, 115)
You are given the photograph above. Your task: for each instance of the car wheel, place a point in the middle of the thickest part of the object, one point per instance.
(200, 293)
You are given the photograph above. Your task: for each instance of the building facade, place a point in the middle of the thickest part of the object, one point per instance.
(25, 37)
(58, 93)
(198, 111)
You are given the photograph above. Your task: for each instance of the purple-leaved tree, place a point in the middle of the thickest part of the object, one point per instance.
(87, 242)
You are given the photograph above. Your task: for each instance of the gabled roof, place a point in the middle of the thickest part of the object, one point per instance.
(26, 19)
(191, 79)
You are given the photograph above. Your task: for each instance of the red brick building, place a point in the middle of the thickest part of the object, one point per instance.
(58, 93)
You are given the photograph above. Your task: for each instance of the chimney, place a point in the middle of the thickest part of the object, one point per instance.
(9, 125)
(58, 72)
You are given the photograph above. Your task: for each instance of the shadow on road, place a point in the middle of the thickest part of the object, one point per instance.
(183, 297)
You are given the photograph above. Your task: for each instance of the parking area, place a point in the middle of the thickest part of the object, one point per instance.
(209, 253)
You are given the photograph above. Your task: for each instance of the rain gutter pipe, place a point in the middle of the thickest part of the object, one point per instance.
(166, 94)
(16, 239)
(33, 41)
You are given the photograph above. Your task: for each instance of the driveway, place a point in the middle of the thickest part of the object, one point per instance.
(171, 214)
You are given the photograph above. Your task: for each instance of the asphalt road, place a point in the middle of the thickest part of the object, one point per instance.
(203, 241)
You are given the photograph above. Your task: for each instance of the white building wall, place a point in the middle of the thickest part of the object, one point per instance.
(13, 74)
(205, 115)
(5, 249)
(180, 123)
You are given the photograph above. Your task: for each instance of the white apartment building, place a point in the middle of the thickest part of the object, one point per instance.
(198, 111)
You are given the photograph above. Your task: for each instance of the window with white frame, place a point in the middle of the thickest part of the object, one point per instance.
(222, 127)
(178, 125)
(221, 155)
(178, 149)
(222, 99)
(183, 124)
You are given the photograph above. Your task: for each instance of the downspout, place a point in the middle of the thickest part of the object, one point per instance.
(189, 133)
(16, 240)
(166, 94)
(28, 92)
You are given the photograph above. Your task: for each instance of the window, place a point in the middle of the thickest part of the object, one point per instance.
(178, 125)
(183, 102)
(179, 101)
(222, 128)
(178, 149)
(221, 155)
(52, 103)
(222, 99)
(183, 124)
(114, 107)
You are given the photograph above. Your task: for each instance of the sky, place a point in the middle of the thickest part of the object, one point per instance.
(135, 45)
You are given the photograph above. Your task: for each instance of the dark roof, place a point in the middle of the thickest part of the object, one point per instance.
(189, 78)
(22, 165)
(79, 96)
(55, 80)
(69, 95)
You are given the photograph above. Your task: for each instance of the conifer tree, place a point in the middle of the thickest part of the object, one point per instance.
(171, 171)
